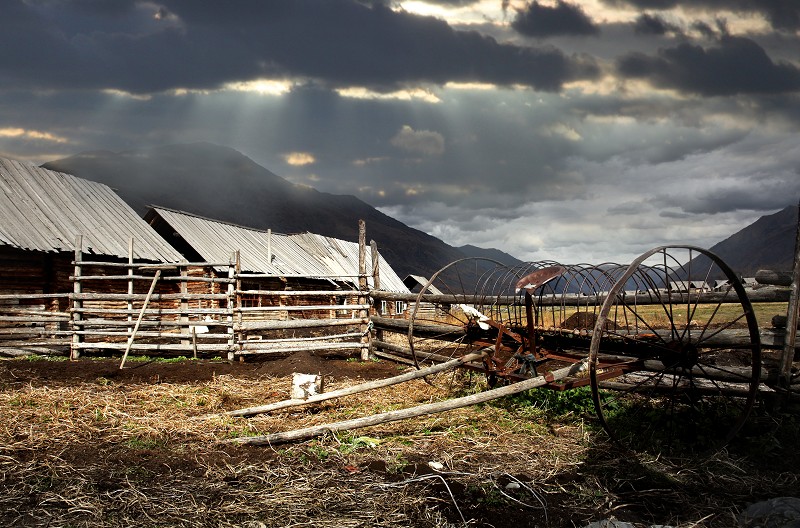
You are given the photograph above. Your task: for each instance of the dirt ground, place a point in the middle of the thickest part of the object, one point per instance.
(84, 443)
(138, 371)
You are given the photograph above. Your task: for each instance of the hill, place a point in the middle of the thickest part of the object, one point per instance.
(221, 183)
(490, 253)
(767, 243)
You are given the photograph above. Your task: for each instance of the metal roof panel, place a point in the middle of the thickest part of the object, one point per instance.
(44, 210)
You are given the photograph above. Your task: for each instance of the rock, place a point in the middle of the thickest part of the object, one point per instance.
(780, 512)
(436, 466)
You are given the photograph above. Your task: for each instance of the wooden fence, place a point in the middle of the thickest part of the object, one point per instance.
(186, 309)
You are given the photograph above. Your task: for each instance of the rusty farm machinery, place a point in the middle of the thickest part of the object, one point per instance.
(669, 345)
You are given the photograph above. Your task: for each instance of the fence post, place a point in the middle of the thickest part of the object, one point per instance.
(184, 317)
(231, 303)
(362, 288)
(376, 283)
(130, 286)
(791, 316)
(77, 303)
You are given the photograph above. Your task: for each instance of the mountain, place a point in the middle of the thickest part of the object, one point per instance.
(220, 183)
(767, 243)
(491, 254)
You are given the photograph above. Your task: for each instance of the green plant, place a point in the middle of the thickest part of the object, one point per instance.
(348, 443)
(397, 464)
(556, 403)
(319, 451)
(40, 357)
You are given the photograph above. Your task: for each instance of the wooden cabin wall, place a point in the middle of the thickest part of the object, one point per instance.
(32, 315)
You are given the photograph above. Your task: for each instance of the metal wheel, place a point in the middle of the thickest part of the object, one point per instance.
(675, 355)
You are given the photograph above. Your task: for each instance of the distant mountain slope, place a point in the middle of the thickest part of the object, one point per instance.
(220, 183)
(491, 253)
(767, 243)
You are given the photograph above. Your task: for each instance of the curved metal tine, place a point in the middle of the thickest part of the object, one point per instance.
(500, 288)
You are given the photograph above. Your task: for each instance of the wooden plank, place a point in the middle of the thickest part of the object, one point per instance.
(139, 321)
(76, 302)
(774, 278)
(296, 323)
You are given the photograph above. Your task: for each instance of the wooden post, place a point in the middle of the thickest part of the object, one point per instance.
(362, 287)
(139, 319)
(376, 283)
(77, 304)
(231, 304)
(791, 316)
(184, 317)
(240, 315)
(130, 285)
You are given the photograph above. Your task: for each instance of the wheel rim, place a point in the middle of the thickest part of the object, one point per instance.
(694, 355)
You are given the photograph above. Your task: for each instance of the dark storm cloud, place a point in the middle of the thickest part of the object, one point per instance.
(764, 197)
(736, 65)
(538, 20)
(183, 44)
(782, 14)
(647, 24)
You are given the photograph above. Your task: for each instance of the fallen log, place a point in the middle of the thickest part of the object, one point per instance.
(413, 412)
(362, 387)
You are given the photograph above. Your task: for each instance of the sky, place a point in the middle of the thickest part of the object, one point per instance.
(575, 131)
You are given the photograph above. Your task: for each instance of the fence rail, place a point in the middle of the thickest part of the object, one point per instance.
(197, 308)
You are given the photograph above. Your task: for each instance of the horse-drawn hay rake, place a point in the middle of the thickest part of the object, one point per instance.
(671, 340)
(669, 345)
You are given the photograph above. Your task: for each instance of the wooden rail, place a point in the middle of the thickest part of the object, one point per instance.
(190, 309)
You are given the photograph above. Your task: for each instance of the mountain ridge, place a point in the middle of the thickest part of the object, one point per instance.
(220, 183)
(767, 243)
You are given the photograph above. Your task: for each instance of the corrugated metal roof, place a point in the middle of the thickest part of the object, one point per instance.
(305, 254)
(44, 210)
(215, 241)
(341, 257)
(422, 281)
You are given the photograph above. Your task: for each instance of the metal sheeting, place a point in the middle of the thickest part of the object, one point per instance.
(215, 241)
(44, 210)
(341, 257)
(306, 254)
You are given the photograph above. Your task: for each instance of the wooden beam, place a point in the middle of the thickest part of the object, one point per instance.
(413, 412)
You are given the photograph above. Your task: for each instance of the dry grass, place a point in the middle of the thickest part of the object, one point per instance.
(102, 453)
